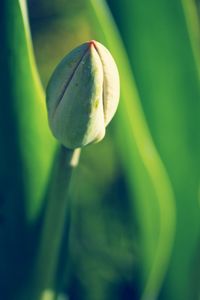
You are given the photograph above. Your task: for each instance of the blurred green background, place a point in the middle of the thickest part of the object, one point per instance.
(133, 228)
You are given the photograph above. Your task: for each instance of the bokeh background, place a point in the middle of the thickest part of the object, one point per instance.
(133, 228)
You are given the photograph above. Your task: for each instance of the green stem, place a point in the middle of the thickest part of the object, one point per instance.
(54, 224)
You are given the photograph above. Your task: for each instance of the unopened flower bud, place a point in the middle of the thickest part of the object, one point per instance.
(82, 95)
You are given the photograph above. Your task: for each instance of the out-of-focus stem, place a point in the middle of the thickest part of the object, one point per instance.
(53, 226)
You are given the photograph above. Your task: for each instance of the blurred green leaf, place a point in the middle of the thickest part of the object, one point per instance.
(37, 144)
(26, 145)
(147, 177)
(162, 41)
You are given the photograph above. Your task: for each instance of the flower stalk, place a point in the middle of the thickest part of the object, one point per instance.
(54, 223)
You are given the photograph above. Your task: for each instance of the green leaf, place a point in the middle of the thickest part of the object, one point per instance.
(162, 40)
(148, 181)
(26, 145)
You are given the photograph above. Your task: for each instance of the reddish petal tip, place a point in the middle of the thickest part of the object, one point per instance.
(92, 43)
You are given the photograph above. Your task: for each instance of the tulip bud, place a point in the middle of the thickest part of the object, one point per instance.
(82, 95)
